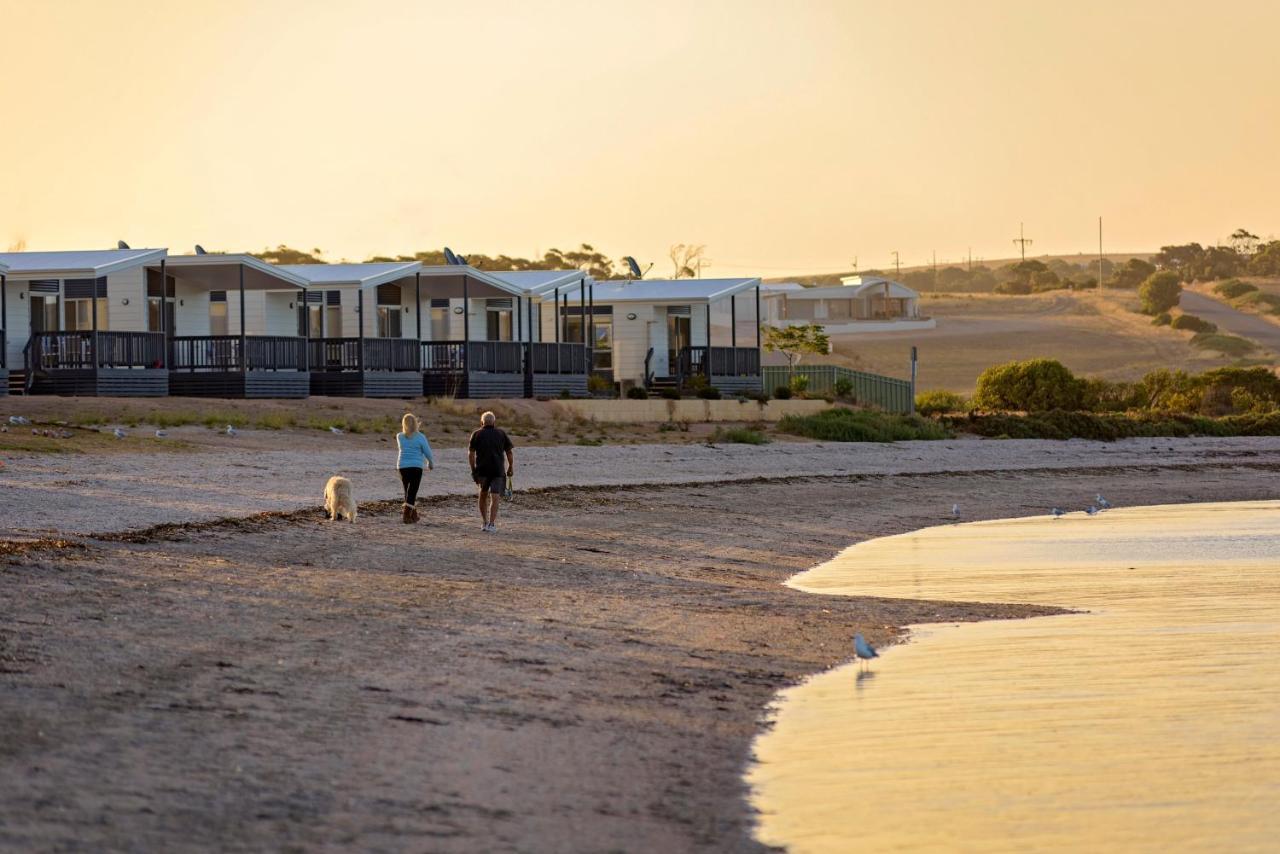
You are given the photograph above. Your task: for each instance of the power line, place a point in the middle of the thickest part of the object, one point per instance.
(1022, 240)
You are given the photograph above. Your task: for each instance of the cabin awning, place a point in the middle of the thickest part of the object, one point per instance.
(90, 263)
(222, 273)
(670, 291)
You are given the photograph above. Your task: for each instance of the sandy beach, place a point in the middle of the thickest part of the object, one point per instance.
(591, 678)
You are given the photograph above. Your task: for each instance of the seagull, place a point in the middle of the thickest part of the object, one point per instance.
(160, 434)
(1056, 512)
(1091, 510)
(18, 419)
(1103, 503)
(118, 433)
(955, 511)
(231, 431)
(337, 431)
(862, 649)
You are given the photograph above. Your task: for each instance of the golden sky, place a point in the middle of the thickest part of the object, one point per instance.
(786, 136)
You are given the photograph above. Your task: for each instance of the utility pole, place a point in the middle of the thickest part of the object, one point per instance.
(897, 268)
(1099, 253)
(1022, 240)
(855, 263)
(970, 259)
(935, 270)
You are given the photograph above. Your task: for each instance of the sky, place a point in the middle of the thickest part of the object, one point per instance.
(788, 138)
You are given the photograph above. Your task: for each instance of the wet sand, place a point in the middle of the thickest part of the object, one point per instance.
(589, 679)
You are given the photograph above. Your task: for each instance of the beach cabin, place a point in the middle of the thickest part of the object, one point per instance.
(860, 304)
(656, 332)
(360, 328)
(234, 325)
(557, 361)
(77, 323)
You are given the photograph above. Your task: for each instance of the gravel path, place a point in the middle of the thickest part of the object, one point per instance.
(1230, 320)
(82, 493)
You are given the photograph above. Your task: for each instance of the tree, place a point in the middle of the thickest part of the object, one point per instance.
(1131, 274)
(286, 255)
(794, 341)
(1243, 242)
(1160, 292)
(687, 259)
(1266, 261)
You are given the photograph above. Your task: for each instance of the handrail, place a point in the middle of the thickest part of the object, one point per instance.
(648, 372)
(222, 353)
(720, 361)
(76, 351)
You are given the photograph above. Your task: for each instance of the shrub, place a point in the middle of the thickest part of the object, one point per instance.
(800, 383)
(1160, 292)
(843, 388)
(938, 401)
(597, 384)
(638, 392)
(695, 382)
(1191, 323)
(564, 394)
(1228, 345)
(740, 435)
(1164, 318)
(782, 392)
(1036, 385)
(1233, 288)
(669, 393)
(1084, 425)
(860, 425)
(757, 396)
(1261, 301)
(709, 393)
(1014, 288)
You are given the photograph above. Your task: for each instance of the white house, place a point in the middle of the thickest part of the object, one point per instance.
(78, 322)
(861, 304)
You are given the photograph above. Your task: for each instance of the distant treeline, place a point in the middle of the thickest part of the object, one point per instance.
(586, 257)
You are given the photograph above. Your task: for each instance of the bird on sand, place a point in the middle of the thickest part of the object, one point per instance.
(862, 649)
(955, 511)
(1103, 504)
(1056, 512)
(118, 433)
(160, 434)
(232, 432)
(337, 431)
(1091, 510)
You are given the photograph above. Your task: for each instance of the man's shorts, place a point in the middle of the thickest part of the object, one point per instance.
(493, 485)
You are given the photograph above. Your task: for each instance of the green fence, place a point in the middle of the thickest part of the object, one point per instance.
(889, 393)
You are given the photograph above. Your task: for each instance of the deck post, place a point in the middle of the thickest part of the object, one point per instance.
(706, 361)
(165, 332)
(4, 322)
(244, 357)
(360, 333)
(582, 308)
(306, 332)
(591, 313)
(466, 339)
(93, 347)
(557, 314)
(733, 331)
(758, 322)
(417, 296)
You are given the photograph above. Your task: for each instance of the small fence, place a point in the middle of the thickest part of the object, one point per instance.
(889, 393)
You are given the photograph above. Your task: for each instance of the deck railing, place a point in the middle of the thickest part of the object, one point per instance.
(720, 361)
(50, 351)
(380, 354)
(496, 357)
(554, 358)
(222, 353)
(504, 357)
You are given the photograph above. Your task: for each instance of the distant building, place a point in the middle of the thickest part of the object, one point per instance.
(861, 304)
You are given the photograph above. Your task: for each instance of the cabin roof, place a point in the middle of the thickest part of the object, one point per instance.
(670, 290)
(88, 262)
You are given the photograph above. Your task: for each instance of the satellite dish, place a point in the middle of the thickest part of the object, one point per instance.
(200, 250)
(634, 267)
(450, 258)
(462, 260)
(120, 244)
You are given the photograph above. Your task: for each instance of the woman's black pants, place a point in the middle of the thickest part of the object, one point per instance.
(412, 479)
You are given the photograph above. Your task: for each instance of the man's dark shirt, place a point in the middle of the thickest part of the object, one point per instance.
(490, 445)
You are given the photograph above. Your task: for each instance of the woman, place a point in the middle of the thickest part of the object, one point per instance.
(415, 452)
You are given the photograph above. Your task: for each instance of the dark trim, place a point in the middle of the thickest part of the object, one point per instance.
(417, 301)
(244, 362)
(576, 311)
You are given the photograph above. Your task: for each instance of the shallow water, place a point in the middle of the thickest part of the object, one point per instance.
(1150, 723)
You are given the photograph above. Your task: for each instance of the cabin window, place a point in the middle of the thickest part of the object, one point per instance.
(499, 325)
(389, 324)
(218, 322)
(78, 315)
(440, 321)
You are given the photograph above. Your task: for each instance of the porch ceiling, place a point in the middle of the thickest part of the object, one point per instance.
(222, 273)
(446, 283)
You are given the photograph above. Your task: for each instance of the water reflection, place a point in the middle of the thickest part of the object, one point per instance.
(1148, 723)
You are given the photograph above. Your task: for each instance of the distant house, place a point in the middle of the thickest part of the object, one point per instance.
(861, 304)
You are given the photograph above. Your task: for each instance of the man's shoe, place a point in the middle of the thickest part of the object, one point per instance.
(406, 513)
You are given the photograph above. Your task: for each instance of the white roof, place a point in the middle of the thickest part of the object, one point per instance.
(358, 275)
(777, 287)
(669, 290)
(217, 271)
(539, 281)
(855, 286)
(4, 268)
(90, 262)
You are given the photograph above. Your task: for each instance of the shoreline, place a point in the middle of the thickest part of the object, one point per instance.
(483, 678)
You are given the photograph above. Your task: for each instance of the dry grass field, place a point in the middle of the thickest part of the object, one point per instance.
(1097, 334)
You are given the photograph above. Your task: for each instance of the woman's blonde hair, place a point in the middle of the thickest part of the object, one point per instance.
(409, 424)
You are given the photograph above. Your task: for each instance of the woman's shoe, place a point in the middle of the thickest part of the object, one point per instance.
(407, 513)
(416, 517)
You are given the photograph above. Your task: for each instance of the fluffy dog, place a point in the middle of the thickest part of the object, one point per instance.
(338, 500)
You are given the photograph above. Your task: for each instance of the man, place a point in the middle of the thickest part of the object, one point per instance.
(485, 452)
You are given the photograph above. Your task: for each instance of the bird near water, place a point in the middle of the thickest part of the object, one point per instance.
(955, 511)
(862, 649)
(231, 431)
(118, 433)
(1092, 510)
(1057, 512)
(1103, 504)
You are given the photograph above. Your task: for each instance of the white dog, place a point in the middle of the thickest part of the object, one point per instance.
(338, 500)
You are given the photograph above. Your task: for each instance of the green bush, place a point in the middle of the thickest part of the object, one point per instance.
(1162, 319)
(800, 383)
(638, 392)
(1085, 425)
(852, 425)
(1160, 292)
(1192, 323)
(1261, 301)
(709, 393)
(740, 436)
(669, 393)
(597, 384)
(782, 392)
(843, 387)
(1036, 385)
(1233, 288)
(1228, 345)
(939, 401)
